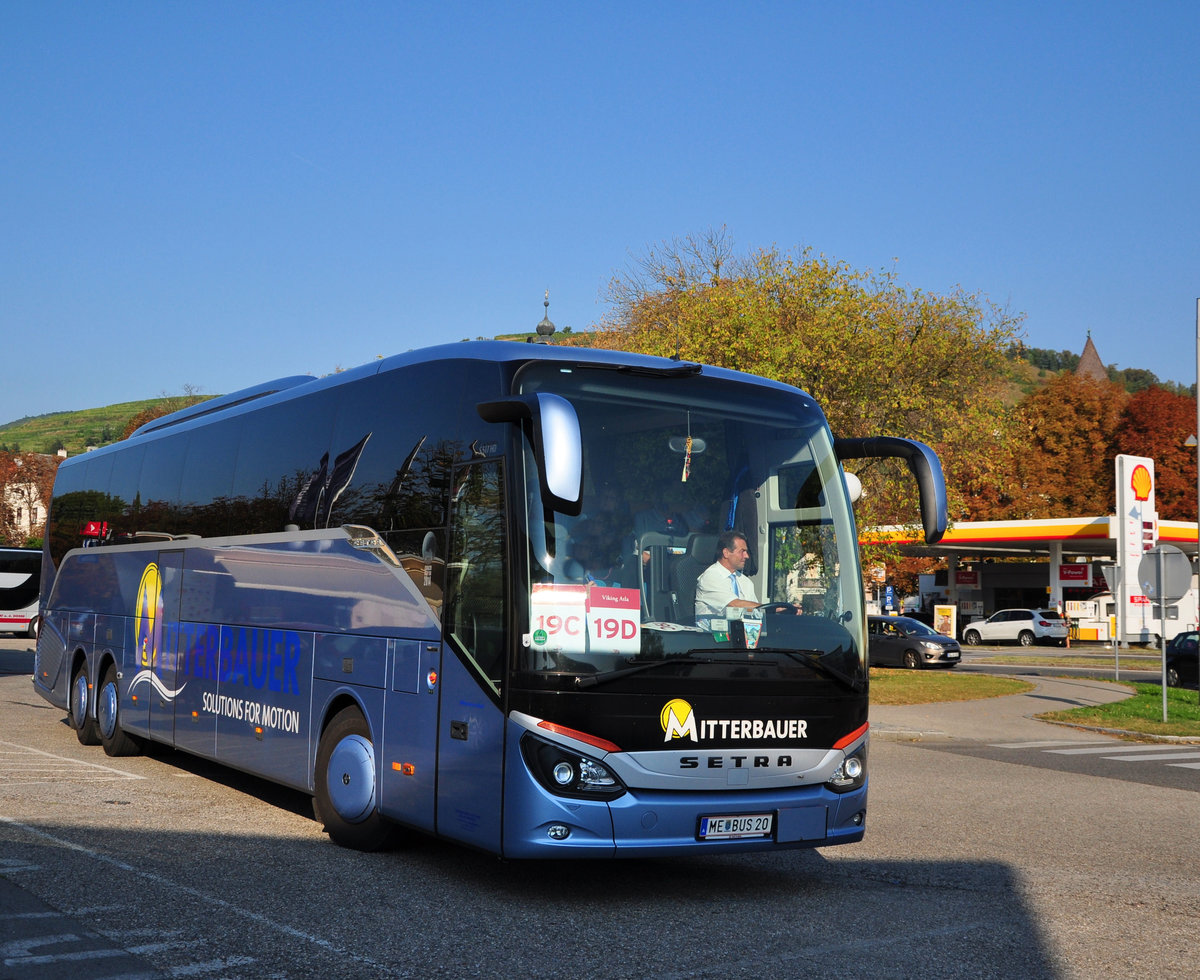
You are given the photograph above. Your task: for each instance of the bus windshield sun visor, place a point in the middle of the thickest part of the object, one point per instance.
(557, 443)
(923, 464)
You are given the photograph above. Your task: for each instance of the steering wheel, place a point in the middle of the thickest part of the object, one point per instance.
(777, 607)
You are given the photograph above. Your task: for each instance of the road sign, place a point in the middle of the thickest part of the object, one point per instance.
(1165, 574)
(1167, 579)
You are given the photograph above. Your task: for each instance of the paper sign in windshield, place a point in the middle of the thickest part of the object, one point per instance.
(576, 619)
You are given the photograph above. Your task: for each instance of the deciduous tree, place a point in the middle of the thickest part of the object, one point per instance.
(26, 482)
(1157, 423)
(879, 357)
(1066, 467)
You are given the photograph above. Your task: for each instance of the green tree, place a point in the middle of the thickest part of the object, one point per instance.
(879, 357)
(1132, 379)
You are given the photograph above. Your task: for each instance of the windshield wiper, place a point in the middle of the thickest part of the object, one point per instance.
(814, 659)
(591, 680)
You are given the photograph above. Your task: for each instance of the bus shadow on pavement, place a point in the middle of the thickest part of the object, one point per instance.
(784, 914)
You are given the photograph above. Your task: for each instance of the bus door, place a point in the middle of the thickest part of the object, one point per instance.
(471, 722)
(158, 645)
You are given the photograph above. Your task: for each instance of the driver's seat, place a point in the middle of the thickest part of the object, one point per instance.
(701, 552)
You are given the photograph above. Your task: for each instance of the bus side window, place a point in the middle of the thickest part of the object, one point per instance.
(475, 571)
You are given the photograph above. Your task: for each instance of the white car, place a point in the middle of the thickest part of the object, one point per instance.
(1024, 626)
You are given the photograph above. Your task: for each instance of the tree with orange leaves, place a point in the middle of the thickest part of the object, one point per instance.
(1156, 423)
(1066, 468)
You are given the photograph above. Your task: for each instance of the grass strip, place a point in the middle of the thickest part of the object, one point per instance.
(1079, 660)
(931, 686)
(1141, 713)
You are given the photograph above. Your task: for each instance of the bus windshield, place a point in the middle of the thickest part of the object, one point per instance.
(668, 467)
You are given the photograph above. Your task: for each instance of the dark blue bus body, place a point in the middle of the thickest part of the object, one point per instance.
(381, 588)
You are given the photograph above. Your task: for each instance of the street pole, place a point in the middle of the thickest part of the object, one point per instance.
(1160, 588)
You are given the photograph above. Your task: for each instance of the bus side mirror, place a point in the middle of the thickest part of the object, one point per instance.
(923, 463)
(557, 444)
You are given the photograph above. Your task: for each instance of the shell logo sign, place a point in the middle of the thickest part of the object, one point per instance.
(1141, 483)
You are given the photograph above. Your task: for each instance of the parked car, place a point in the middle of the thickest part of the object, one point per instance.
(905, 642)
(1024, 626)
(1183, 661)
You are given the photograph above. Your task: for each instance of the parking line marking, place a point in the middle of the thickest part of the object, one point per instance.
(223, 906)
(23, 764)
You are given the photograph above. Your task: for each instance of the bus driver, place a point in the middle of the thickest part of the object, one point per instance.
(722, 586)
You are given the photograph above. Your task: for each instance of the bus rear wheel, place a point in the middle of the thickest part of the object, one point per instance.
(79, 712)
(116, 741)
(346, 794)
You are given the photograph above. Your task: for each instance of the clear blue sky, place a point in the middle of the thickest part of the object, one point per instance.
(215, 194)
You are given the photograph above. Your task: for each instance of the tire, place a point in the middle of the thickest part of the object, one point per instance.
(32, 630)
(1025, 638)
(345, 792)
(1172, 676)
(79, 709)
(911, 660)
(115, 740)
(971, 638)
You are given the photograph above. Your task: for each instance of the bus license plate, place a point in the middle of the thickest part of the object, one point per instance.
(740, 826)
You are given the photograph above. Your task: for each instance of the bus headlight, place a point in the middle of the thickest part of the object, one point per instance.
(565, 772)
(851, 774)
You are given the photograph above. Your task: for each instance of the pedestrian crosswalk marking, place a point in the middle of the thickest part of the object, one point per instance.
(1116, 748)
(1167, 754)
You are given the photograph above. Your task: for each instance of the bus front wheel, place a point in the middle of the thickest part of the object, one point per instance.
(346, 794)
(79, 712)
(116, 741)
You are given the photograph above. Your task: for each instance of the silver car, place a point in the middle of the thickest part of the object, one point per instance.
(902, 642)
(1024, 626)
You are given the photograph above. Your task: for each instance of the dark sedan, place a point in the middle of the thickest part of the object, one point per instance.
(1182, 659)
(903, 642)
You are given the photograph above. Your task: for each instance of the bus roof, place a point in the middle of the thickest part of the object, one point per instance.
(498, 351)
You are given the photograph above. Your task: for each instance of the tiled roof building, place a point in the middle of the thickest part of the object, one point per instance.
(1090, 365)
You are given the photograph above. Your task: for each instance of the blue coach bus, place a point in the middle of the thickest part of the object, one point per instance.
(453, 591)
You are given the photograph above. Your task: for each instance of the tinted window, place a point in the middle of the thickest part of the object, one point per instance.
(207, 479)
(20, 578)
(413, 422)
(123, 494)
(475, 599)
(159, 484)
(283, 452)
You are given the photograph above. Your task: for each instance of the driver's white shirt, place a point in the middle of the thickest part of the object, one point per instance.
(714, 590)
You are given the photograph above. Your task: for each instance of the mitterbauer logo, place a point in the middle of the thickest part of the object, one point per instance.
(149, 626)
(678, 720)
(148, 617)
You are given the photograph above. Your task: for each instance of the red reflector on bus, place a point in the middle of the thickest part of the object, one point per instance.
(600, 743)
(854, 736)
